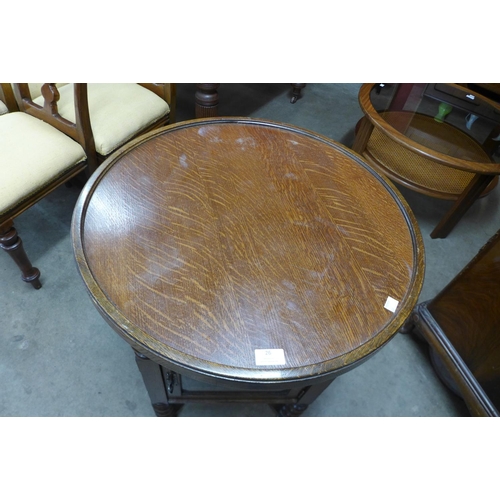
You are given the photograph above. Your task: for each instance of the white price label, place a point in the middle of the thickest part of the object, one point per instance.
(266, 357)
(391, 304)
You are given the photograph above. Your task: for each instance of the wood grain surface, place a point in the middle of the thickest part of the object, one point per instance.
(213, 238)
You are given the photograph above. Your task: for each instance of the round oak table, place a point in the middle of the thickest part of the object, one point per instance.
(259, 257)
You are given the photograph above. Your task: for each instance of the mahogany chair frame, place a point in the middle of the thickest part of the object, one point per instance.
(17, 97)
(79, 131)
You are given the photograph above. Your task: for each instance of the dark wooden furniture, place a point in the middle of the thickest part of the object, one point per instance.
(258, 257)
(207, 98)
(36, 158)
(409, 134)
(462, 326)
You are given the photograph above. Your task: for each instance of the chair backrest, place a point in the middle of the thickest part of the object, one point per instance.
(80, 131)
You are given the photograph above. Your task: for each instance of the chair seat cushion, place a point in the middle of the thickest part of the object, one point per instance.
(3, 108)
(118, 111)
(32, 155)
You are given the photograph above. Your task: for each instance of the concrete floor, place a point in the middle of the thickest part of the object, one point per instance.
(59, 358)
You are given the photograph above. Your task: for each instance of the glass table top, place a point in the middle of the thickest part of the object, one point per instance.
(446, 118)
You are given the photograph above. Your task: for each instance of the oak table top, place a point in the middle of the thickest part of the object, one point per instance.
(247, 250)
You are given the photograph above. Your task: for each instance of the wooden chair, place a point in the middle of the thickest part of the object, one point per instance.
(39, 151)
(119, 112)
(99, 117)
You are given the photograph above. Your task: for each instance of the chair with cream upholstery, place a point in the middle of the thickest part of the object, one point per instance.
(39, 151)
(119, 112)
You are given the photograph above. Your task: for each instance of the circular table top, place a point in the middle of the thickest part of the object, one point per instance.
(444, 122)
(247, 250)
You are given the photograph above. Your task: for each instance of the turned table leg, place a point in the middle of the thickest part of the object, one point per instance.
(471, 193)
(206, 100)
(13, 245)
(152, 374)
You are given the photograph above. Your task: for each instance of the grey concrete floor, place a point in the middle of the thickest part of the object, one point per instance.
(59, 358)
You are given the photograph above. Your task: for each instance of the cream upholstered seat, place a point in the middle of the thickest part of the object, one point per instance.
(38, 152)
(118, 112)
(32, 154)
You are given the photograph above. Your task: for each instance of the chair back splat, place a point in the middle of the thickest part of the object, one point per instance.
(80, 131)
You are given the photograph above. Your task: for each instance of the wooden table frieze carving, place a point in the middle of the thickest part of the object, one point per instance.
(252, 255)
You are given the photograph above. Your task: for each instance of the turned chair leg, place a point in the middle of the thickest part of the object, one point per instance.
(13, 245)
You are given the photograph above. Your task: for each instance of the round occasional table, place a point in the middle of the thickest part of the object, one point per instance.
(257, 257)
(439, 139)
